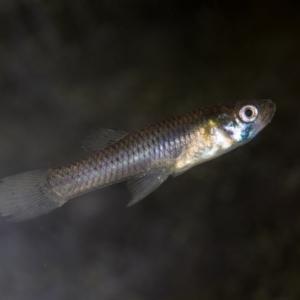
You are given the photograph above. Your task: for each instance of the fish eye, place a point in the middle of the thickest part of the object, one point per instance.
(248, 113)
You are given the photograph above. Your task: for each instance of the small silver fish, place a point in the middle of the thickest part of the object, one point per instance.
(145, 158)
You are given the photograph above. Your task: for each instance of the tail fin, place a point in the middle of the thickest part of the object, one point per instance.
(24, 197)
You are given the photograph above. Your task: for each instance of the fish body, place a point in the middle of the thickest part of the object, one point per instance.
(145, 158)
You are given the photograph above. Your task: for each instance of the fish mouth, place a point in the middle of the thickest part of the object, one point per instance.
(268, 110)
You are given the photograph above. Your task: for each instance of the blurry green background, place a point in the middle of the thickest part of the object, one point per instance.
(229, 229)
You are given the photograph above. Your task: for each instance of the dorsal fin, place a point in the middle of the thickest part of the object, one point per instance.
(101, 138)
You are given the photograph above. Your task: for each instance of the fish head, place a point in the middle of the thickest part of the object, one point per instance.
(243, 120)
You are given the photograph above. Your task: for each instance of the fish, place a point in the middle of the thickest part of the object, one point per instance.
(144, 158)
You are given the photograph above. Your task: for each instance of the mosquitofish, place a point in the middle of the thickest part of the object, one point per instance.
(145, 158)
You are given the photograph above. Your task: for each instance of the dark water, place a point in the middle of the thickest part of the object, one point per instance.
(229, 229)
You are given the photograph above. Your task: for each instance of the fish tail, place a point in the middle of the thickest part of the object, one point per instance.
(24, 196)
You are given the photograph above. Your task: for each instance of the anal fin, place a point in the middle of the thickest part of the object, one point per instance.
(143, 185)
(180, 171)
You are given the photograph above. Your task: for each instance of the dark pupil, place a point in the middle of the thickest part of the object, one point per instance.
(248, 113)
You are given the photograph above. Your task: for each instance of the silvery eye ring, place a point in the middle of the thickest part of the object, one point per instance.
(248, 113)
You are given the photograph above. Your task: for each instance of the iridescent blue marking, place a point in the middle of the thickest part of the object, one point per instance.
(239, 131)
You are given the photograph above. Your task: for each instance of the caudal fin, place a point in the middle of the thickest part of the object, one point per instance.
(23, 197)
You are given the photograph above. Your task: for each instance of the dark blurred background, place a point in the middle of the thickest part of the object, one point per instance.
(229, 229)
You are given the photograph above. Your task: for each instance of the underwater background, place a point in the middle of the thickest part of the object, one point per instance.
(227, 229)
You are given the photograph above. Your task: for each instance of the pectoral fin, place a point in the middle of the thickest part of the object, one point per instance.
(101, 138)
(142, 186)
